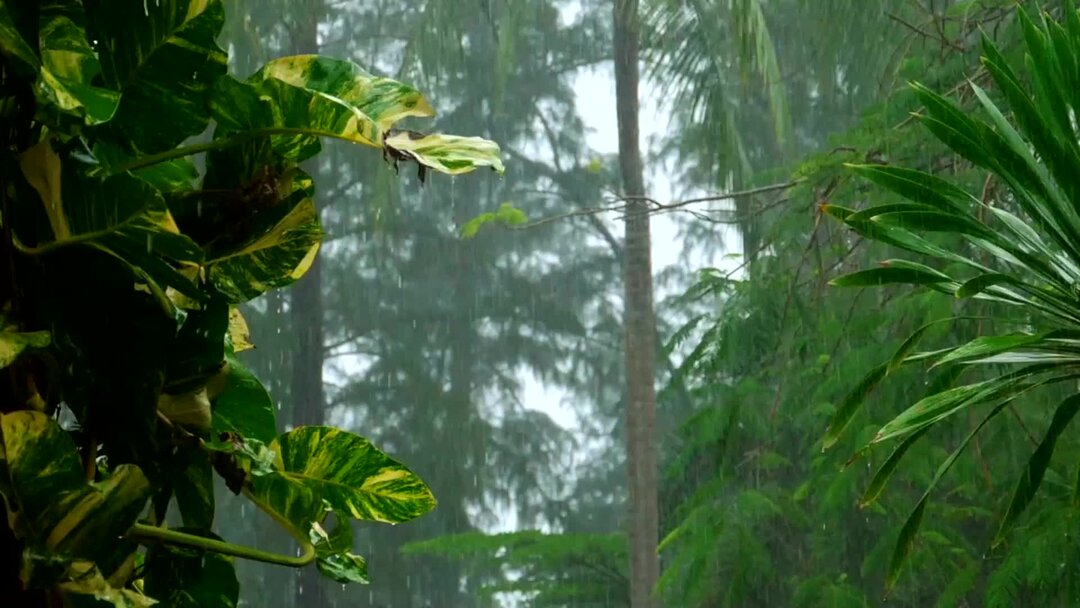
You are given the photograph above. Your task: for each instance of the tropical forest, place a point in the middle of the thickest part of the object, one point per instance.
(539, 303)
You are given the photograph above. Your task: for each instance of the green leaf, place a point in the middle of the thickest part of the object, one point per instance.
(507, 215)
(869, 382)
(383, 101)
(919, 187)
(164, 60)
(280, 249)
(1037, 464)
(889, 274)
(188, 578)
(56, 508)
(87, 588)
(301, 98)
(911, 526)
(450, 154)
(988, 346)
(193, 487)
(882, 475)
(321, 468)
(13, 343)
(934, 408)
(119, 214)
(12, 43)
(68, 67)
(243, 406)
(334, 556)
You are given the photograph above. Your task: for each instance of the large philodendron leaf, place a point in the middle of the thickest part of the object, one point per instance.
(187, 578)
(320, 468)
(68, 68)
(119, 214)
(277, 250)
(304, 97)
(49, 501)
(163, 59)
(301, 98)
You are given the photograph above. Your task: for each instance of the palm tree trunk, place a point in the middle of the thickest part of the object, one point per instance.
(639, 322)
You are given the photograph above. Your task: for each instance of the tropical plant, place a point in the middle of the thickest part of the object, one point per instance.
(125, 263)
(1013, 245)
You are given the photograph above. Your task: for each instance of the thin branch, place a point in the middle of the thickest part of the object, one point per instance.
(656, 207)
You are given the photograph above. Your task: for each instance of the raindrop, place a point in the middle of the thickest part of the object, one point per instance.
(145, 9)
(149, 243)
(198, 208)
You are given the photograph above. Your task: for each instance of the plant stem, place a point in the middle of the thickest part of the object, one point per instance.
(142, 532)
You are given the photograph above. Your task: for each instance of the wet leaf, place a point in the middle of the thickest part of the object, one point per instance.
(320, 468)
(13, 343)
(334, 556)
(450, 154)
(243, 406)
(281, 248)
(1036, 467)
(87, 588)
(163, 60)
(68, 68)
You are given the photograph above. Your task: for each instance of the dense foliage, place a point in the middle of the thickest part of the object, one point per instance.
(125, 264)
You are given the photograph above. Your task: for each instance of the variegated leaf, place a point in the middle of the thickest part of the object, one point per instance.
(163, 60)
(280, 250)
(13, 343)
(334, 556)
(86, 587)
(68, 67)
(119, 214)
(301, 98)
(320, 468)
(54, 507)
(239, 334)
(13, 44)
(450, 154)
(382, 100)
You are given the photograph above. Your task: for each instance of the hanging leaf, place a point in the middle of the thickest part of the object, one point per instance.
(334, 556)
(1037, 464)
(450, 154)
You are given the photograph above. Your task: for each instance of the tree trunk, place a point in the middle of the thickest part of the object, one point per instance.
(306, 315)
(639, 322)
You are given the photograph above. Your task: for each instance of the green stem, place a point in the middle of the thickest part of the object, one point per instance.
(142, 532)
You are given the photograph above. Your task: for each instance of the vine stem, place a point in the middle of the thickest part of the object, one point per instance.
(143, 532)
(226, 142)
